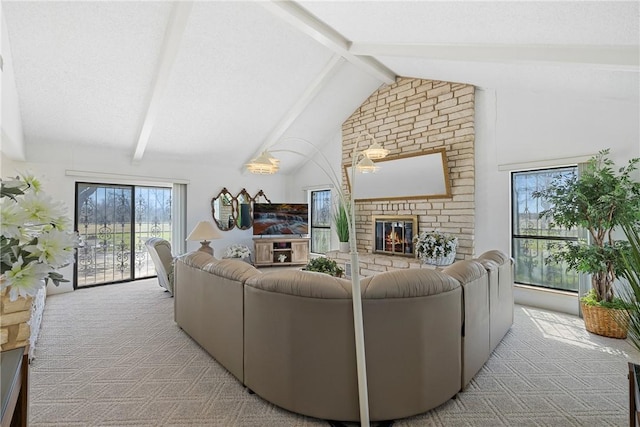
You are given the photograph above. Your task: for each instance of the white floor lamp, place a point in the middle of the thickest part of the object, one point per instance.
(361, 161)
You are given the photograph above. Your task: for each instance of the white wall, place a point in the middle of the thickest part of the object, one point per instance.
(49, 161)
(513, 129)
(523, 130)
(310, 177)
(11, 123)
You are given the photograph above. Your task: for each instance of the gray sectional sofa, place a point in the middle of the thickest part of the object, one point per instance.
(288, 335)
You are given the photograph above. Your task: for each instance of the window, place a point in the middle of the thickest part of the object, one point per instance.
(320, 221)
(534, 238)
(113, 222)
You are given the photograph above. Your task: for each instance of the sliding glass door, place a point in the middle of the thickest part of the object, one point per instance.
(114, 221)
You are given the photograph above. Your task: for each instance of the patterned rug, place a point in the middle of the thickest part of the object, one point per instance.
(113, 356)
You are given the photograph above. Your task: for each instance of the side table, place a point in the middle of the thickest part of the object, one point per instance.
(14, 381)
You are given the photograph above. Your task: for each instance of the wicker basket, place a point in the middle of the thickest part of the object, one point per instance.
(605, 321)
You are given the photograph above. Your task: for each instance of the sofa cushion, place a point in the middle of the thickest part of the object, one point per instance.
(496, 256)
(197, 259)
(233, 269)
(302, 283)
(407, 283)
(465, 271)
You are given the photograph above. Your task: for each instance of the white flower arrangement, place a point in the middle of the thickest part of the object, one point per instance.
(432, 245)
(35, 239)
(238, 251)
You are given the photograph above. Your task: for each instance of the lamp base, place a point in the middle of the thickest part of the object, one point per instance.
(206, 248)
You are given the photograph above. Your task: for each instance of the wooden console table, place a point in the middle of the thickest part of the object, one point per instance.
(14, 381)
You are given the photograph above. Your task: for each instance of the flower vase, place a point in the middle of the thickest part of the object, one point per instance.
(14, 321)
(344, 247)
(441, 260)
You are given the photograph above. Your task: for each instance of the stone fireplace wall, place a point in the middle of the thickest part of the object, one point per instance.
(413, 116)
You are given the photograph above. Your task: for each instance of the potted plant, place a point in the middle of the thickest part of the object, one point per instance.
(239, 251)
(341, 221)
(325, 265)
(630, 271)
(598, 200)
(36, 240)
(435, 247)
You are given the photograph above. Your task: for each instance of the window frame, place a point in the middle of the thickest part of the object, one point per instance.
(516, 233)
(311, 220)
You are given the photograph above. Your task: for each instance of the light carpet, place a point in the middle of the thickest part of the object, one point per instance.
(113, 356)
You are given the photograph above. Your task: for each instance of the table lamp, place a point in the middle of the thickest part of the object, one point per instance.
(205, 232)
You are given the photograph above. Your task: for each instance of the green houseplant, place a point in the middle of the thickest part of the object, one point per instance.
(630, 270)
(598, 200)
(324, 265)
(341, 221)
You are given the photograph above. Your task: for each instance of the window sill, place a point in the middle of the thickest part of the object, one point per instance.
(549, 299)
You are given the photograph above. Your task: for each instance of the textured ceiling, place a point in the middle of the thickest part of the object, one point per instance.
(223, 80)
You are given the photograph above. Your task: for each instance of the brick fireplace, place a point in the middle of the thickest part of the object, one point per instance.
(414, 116)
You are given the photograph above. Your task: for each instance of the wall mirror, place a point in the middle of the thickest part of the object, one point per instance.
(397, 178)
(222, 207)
(242, 210)
(229, 211)
(259, 196)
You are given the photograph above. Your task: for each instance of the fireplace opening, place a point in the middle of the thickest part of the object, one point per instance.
(393, 235)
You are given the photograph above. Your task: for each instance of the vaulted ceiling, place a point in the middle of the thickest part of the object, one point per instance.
(224, 80)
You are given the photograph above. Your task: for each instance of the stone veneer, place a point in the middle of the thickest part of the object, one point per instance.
(413, 116)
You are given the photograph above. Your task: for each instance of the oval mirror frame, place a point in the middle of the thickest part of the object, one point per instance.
(258, 195)
(222, 210)
(243, 211)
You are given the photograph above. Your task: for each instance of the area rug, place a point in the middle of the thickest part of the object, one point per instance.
(113, 356)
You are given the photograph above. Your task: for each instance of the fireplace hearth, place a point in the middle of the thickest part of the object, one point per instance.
(393, 235)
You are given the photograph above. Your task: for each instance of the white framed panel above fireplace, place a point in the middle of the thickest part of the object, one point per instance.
(412, 176)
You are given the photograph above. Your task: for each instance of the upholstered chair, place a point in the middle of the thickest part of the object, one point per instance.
(160, 251)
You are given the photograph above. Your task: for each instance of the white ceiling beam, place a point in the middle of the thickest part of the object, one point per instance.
(308, 24)
(169, 51)
(301, 104)
(617, 57)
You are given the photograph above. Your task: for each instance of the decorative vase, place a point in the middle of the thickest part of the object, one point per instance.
(14, 321)
(441, 260)
(344, 247)
(608, 322)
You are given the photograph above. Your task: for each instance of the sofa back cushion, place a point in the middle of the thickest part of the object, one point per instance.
(197, 259)
(496, 256)
(302, 283)
(476, 344)
(407, 283)
(232, 269)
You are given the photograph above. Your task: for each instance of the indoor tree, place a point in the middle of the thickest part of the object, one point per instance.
(599, 199)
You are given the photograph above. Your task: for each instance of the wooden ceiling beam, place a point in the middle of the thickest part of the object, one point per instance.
(305, 22)
(611, 57)
(168, 53)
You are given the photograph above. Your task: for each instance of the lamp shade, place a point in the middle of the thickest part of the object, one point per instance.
(204, 231)
(366, 165)
(264, 164)
(376, 151)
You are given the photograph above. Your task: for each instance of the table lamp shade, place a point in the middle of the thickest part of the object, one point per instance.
(204, 231)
